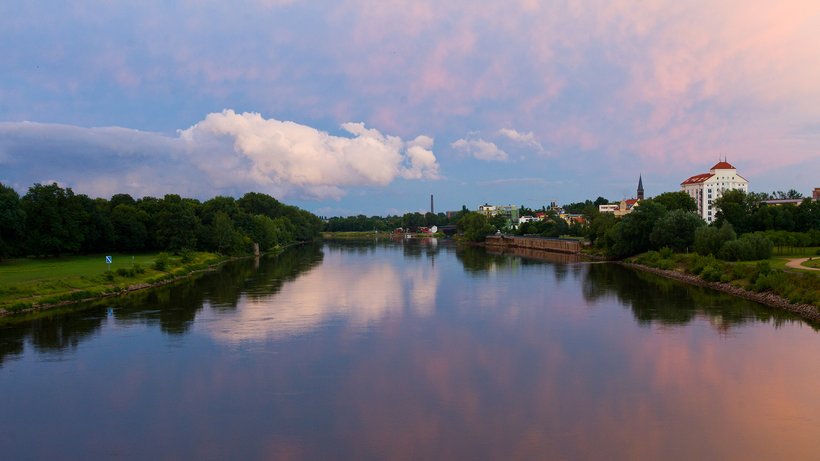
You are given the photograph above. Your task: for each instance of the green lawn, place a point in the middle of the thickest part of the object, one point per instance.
(779, 260)
(24, 282)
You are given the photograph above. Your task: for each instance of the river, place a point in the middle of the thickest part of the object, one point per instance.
(412, 350)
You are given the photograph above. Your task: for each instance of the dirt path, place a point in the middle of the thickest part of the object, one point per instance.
(796, 264)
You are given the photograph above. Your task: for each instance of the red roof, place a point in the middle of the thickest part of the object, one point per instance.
(723, 166)
(699, 178)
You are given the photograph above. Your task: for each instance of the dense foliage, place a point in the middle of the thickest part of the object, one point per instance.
(50, 220)
(759, 276)
(475, 227)
(362, 223)
(745, 228)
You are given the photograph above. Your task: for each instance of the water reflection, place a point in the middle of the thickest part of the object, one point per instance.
(409, 350)
(172, 308)
(359, 291)
(654, 299)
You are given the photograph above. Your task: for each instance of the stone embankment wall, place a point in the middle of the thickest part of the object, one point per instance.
(535, 243)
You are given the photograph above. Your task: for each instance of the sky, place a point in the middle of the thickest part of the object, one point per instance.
(355, 106)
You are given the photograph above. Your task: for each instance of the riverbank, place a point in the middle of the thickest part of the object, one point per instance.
(742, 286)
(28, 285)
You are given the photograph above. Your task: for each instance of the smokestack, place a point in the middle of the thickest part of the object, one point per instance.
(432, 209)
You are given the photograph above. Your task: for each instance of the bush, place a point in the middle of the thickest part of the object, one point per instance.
(186, 256)
(749, 247)
(698, 263)
(108, 276)
(161, 263)
(711, 273)
(138, 269)
(665, 252)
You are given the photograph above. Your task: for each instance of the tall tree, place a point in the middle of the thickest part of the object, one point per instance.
(676, 230)
(676, 201)
(53, 220)
(177, 224)
(12, 222)
(631, 234)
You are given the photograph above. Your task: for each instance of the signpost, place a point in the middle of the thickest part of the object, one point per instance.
(108, 261)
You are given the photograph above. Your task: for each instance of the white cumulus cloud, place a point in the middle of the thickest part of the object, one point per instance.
(528, 138)
(226, 153)
(480, 149)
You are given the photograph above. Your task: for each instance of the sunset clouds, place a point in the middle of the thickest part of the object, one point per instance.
(224, 153)
(594, 86)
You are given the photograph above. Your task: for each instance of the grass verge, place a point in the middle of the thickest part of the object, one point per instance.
(797, 286)
(33, 283)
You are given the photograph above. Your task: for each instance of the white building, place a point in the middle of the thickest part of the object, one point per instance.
(707, 187)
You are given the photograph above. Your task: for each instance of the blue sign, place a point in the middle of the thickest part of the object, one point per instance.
(108, 259)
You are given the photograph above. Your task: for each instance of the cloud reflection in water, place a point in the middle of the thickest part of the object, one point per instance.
(362, 295)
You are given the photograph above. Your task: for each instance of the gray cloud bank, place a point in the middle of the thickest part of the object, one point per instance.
(224, 154)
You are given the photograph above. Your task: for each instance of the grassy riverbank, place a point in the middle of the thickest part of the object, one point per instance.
(769, 276)
(31, 283)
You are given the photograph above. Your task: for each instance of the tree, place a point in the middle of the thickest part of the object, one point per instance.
(474, 226)
(676, 201)
(255, 203)
(676, 230)
(599, 224)
(98, 232)
(710, 239)
(12, 222)
(631, 234)
(53, 220)
(225, 238)
(791, 194)
(737, 208)
(130, 230)
(177, 224)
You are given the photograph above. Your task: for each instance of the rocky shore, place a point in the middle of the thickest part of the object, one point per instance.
(806, 311)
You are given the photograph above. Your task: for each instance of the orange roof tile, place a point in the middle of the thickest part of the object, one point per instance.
(722, 166)
(698, 178)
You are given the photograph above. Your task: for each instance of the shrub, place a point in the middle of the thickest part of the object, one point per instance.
(138, 269)
(711, 273)
(108, 276)
(666, 252)
(161, 263)
(186, 255)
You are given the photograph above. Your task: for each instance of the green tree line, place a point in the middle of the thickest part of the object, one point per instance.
(744, 228)
(50, 221)
(362, 223)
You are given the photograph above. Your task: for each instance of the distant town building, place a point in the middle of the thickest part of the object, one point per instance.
(508, 211)
(707, 187)
(816, 194)
(625, 206)
(640, 187)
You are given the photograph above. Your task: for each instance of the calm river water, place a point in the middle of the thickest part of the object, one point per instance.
(412, 351)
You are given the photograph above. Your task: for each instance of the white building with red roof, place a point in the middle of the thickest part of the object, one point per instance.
(707, 187)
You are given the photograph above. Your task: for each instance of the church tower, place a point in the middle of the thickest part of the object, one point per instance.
(640, 187)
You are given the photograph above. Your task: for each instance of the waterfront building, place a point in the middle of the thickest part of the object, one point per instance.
(705, 188)
(508, 211)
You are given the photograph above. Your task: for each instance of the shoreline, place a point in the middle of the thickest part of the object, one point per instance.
(805, 311)
(121, 292)
(42, 308)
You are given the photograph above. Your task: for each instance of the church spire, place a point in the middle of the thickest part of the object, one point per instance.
(640, 187)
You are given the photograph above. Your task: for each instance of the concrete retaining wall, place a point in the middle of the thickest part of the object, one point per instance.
(535, 243)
